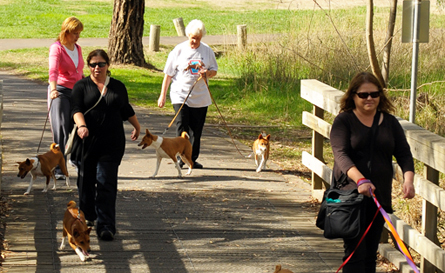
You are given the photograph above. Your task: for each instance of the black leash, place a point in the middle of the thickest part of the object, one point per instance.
(225, 123)
(44, 126)
(186, 98)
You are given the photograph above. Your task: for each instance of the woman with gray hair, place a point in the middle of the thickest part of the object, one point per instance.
(186, 63)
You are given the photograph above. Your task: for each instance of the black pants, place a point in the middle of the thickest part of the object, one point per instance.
(192, 121)
(364, 258)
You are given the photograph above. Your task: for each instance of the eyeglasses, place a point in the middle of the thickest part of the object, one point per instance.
(365, 95)
(101, 64)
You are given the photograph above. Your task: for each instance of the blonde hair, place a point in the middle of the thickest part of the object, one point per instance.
(70, 24)
(195, 27)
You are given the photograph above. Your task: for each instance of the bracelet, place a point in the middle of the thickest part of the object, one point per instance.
(83, 126)
(362, 181)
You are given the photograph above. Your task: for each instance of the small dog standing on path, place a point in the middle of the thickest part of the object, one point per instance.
(261, 149)
(44, 165)
(78, 232)
(169, 148)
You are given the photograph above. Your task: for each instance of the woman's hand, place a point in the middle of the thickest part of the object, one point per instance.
(408, 190)
(135, 134)
(54, 94)
(364, 189)
(161, 101)
(83, 132)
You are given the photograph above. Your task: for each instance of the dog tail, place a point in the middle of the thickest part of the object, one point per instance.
(185, 135)
(71, 204)
(54, 147)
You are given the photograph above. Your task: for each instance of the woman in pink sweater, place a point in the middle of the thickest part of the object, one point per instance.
(65, 69)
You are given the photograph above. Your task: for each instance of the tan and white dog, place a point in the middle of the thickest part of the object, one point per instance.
(279, 270)
(261, 149)
(170, 148)
(44, 165)
(75, 227)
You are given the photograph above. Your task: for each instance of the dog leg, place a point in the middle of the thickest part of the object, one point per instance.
(30, 185)
(62, 245)
(67, 181)
(178, 168)
(158, 163)
(256, 160)
(260, 167)
(80, 254)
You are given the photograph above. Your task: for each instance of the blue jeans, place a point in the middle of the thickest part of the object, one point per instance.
(98, 192)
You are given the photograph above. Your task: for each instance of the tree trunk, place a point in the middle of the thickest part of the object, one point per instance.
(370, 43)
(126, 31)
(388, 41)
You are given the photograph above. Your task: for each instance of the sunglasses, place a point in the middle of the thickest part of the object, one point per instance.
(365, 95)
(101, 64)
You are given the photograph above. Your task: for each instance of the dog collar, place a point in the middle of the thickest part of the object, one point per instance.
(36, 162)
(158, 142)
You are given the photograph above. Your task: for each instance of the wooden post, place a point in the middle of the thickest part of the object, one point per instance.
(242, 36)
(317, 150)
(179, 25)
(429, 219)
(155, 38)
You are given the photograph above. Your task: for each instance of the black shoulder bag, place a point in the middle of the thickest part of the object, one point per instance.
(340, 214)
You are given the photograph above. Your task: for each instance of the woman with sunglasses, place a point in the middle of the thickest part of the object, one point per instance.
(100, 145)
(351, 140)
(65, 69)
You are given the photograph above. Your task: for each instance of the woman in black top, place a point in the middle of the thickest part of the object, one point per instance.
(101, 143)
(351, 144)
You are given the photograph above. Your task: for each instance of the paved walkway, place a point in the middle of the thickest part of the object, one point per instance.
(224, 218)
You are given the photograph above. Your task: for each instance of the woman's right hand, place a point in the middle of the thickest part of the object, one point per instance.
(364, 189)
(82, 132)
(161, 101)
(54, 94)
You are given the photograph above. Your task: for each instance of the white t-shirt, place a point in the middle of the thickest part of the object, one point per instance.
(180, 57)
(74, 55)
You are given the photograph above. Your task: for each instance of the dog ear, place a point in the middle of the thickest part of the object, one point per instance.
(268, 137)
(88, 231)
(147, 132)
(277, 268)
(76, 233)
(260, 136)
(28, 162)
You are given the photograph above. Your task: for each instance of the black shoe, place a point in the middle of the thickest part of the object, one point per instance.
(106, 235)
(89, 223)
(197, 165)
(181, 163)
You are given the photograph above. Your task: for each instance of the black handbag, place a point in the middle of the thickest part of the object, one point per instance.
(340, 214)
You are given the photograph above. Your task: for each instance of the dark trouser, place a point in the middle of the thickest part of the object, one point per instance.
(60, 118)
(192, 121)
(98, 192)
(364, 258)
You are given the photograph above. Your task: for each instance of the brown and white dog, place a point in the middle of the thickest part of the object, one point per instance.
(78, 232)
(44, 165)
(261, 149)
(279, 270)
(169, 148)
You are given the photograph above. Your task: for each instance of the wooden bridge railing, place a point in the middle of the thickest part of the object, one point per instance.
(426, 147)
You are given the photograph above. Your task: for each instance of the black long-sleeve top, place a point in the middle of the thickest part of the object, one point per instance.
(106, 140)
(350, 141)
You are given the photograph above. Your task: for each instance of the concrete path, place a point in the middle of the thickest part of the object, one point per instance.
(223, 218)
(6, 44)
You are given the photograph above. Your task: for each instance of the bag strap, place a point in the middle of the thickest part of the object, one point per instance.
(374, 129)
(107, 80)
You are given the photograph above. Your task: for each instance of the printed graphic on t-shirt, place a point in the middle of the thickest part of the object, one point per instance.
(194, 71)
